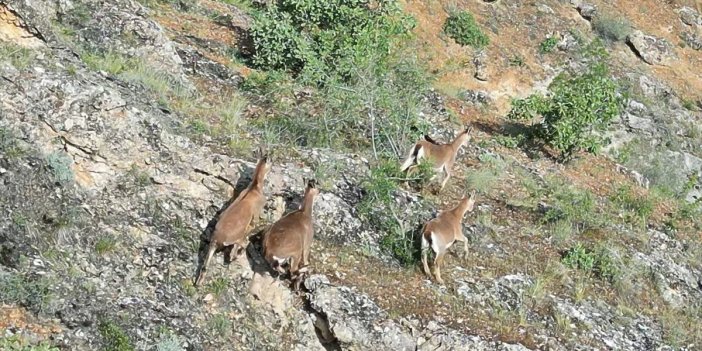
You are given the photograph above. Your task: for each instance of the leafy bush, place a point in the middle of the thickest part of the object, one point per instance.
(577, 107)
(548, 45)
(597, 262)
(377, 109)
(379, 208)
(33, 293)
(325, 39)
(579, 257)
(114, 337)
(462, 28)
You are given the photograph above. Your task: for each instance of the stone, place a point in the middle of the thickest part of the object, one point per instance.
(587, 11)
(654, 51)
(693, 40)
(480, 62)
(689, 16)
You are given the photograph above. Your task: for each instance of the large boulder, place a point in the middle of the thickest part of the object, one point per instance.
(654, 51)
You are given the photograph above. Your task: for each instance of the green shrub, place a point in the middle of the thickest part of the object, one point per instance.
(462, 28)
(548, 45)
(510, 141)
(578, 106)
(570, 203)
(16, 343)
(33, 293)
(378, 109)
(20, 57)
(598, 262)
(611, 28)
(325, 39)
(378, 207)
(105, 244)
(578, 257)
(114, 337)
(220, 324)
(640, 207)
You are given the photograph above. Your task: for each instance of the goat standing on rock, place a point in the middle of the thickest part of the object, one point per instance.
(441, 232)
(288, 241)
(236, 221)
(441, 156)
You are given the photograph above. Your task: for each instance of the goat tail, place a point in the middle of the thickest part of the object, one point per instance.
(411, 158)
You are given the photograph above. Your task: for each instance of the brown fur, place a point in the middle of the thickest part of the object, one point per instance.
(290, 238)
(440, 233)
(441, 156)
(237, 219)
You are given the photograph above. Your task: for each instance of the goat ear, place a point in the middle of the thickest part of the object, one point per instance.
(312, 183)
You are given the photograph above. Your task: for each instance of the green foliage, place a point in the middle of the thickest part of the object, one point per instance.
(611, 28)
(640, 207)
(218, 286)
(220, 324)
(105, 244)
(325, 39)
(18, 56)
(689, 105)
(597, 262)
(579, 257)
(378, 207)
(9, 146)
(377, 109)
(16, 343)
(578, 105)
(548, 45)
(510, 141)
(31, 292)
(571, 204)
(136, 71)
(60, 165)
(516, 60)
(114, 337)
(462, 28)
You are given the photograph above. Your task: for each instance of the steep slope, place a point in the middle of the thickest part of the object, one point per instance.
(125, 127)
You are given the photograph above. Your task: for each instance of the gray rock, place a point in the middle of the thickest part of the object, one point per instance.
(567, 42)
(358, 323)
(689, 16)
(122, 26)
(475, 97)
(480, 62)
(654, 51)
(693, 40)
(587, 11)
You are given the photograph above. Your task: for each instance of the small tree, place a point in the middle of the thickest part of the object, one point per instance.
(577, 107)
(462, 28)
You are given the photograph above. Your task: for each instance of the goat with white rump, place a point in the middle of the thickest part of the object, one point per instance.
(236, 221)
(441, 156)
(441, 232)
(287, 243)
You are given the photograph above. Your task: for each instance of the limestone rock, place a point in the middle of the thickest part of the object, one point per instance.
(654, 51)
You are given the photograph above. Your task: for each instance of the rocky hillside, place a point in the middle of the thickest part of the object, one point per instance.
(126, 126)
